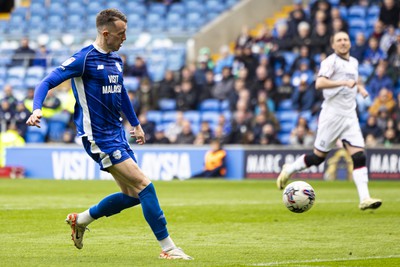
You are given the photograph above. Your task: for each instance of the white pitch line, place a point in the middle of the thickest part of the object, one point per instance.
(277, 263)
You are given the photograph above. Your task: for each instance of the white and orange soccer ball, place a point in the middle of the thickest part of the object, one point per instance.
(298, 196)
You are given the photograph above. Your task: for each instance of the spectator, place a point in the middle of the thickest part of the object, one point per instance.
(214, 161)
(264, 39)
(134, 100)
(205, 54)
(358, 49)
(303, 36)
(285, 90)
(320, 18)
(258, 84)
(378, 30)
(222, 88)
(338, 25)
(389, 13)
(322, 5)
(125, 66)
(206, 89)
(371, 128)
(148, 127)
(139, 69)
(301, 136)
(159, 136)
(237, 61)
(320, 39)
(233, 96)
(393, 48)
(186, 98)
(186, 136)
(388, 38)
(303, 97)
(259, 122)
(394, 61)
(41, 57)
(20, 117)
(268, 136)
(205, 131)
(225, 126)
(200, 73)
(24, 55)
(199, 140)
(295, 18)
(51, 105)
(68, 137)
(384, 99)
(240, 126)
(221, 135)
(370, 141)
(7, 113)
(269, 94)
(373, 53)
(304, 56)
(250, 61)
(396, 112)
(167, 86)
(226, 60)
(146, 95)
(382, 118)
(390, 137)
(9, 96)
(262, 108)
(378, 81)
(175, 128)
(303, 73)
(244, 39)
(283, 41)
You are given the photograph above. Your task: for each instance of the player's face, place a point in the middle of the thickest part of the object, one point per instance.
(341, 44)
(116, 36)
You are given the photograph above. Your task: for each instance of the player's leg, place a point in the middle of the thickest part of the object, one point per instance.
(329, 128)
(360, 178)
(128, 173)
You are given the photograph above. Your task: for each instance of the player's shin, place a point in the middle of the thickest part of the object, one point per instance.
(108, 206)
(360, 175)
(155, 217)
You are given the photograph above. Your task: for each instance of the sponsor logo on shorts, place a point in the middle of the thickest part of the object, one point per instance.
(117, 154)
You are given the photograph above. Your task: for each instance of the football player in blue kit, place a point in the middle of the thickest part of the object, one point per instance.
(97, 84)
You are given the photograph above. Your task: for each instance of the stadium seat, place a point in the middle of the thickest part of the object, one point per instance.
(156, 68)
(373, 11)
(193, 116)
(167, 104)
(158, 8)
(3, 72)
(168, 116)
(285, 105)
(154, 116)
(211, 116)
(194, 6)
(176, 58)
(287, 115)
(357, 23)
(94, 7)
(225, 106)
(134, 7)
(365, 69)
(289, 57)
(56, 129)
(306, 115)
(357, 12)
(175, 27)
(210, 105)
(284, 138)
(343, 12)
(177, 8)
(231, 3)
(155, 23)
(17, 72)
(214, 6)
(286, 127)
(37, 135)
(131, 83)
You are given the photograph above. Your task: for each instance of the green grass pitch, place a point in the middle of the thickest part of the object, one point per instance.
(220, 223)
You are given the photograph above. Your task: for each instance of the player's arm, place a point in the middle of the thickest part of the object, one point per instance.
(361, 89)
(130, 114)
(70, 68)
(325, 83)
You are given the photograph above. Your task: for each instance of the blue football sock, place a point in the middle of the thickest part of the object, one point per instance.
(153, 213)
(112, 204)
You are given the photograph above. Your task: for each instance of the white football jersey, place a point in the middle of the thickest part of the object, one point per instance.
(340, 100)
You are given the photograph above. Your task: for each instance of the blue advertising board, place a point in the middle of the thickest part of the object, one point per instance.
(157, 162)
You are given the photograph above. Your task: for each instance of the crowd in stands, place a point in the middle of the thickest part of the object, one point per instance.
(263, 90)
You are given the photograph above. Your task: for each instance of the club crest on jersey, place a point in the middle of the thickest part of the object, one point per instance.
(118, 66)
(117, 154)
(68, 61)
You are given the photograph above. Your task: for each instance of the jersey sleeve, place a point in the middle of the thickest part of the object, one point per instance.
(127, 108)
(72, 67)
(327, 68)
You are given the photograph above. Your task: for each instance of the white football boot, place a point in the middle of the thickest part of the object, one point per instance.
(370, 203)
(283, 178)
(174, 254)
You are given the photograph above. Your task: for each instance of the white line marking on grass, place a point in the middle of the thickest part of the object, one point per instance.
(277, 263)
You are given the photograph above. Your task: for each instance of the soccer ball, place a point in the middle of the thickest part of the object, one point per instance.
(298, 196)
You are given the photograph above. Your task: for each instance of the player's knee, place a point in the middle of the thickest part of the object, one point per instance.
(359, 160)
(313, 160)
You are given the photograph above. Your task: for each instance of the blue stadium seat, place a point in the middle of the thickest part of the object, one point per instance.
(371, 22)
(168, 116)
(194, 6)
(37, 135)
(289, 57)
(285, 105)
(215, 6)
(210, 105)
(357, 23)
(195, 128)
(155, 23)
(17, 72)
(193, 116)
(307, 115)
(211, 116)
(176, 58)
(38, 9)
(158, 8)
(286, 127)
(57, 9)
(334, 2)
(177, 8)
(133, 7)
(212, 15)
(56, 130)
(373, 11)
(357, 12)
(167, 104)
(94, 7)
(35, 72)
(225, 106)
(231, 3)
(17, 28)
(154, 116)
(284, 138)
(156, 68)
(136, 25)
(3, 72)
(131, 83)
(176, 26)
(343, 12)
(365, 69)
(287, 115)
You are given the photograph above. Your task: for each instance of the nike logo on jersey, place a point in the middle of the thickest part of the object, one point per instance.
(100, 67)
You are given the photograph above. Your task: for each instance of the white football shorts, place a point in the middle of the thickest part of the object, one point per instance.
(333, 127)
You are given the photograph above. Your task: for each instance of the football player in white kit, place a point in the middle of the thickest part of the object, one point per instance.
(338, 119)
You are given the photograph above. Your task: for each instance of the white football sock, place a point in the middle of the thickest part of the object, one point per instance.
(298, 165)
(167, 244)
(84, 218)
(360, 177)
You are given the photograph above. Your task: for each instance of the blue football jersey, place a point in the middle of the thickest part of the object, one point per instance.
(97, 84)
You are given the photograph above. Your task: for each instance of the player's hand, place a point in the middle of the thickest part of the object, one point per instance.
(138, 134)
(364, 93)
(34, 119)
(350, 83)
